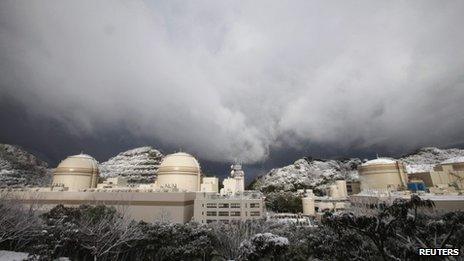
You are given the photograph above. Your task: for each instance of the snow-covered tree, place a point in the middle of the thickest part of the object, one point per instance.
(264, 246)
(104, 232)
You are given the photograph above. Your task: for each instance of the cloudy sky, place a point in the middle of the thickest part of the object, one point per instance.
(264, 82)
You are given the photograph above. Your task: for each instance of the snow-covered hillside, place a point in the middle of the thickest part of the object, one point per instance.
(307, 173)
(139, 165)
(20, 168)
(424, 159)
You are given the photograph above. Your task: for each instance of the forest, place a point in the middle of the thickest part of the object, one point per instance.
(393, 232)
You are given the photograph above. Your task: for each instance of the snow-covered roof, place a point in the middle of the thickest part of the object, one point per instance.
(82, 155)
(454, 160)
(379, 161)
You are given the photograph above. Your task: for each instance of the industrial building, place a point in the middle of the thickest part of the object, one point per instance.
(241, 206)
(179, 194)
(138, 204)
(383, 174)
(384, 180)
(234, 203)
(76, 172)
(236, 182)
(353, 187)
(336, 199)
(370, 199)
(445, 178)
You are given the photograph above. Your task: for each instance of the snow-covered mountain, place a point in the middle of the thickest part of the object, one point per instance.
(307, 173)
(424, 159)
(20, 168)
(139, 165)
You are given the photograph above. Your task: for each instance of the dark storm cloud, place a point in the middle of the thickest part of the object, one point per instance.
(231, 79)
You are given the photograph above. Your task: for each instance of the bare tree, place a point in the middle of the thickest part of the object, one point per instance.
(108, 235)
(18, 222)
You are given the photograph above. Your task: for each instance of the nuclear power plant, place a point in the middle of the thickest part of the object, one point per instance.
(384, 180)
(180, 193)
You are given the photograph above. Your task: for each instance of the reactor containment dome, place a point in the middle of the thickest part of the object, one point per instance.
(382, 173)
(179, 170)
(76, 172)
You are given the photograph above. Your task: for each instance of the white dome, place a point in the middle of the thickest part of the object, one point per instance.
(77, 163)
(379, 161)
(181, 170)
(179, 160)
(76, 172)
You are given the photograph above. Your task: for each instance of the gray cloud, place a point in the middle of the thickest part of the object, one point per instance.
(236, 79)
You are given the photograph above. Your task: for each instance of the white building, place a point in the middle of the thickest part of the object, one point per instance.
(209, 184)
(179, 171)
(236, 182)
(234, 203)
(213, 207)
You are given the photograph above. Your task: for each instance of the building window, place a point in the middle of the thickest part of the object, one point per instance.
(234, 205)
(254, 205)
(210, 221)
(349, 189)
(235, 213)
(223, 205)
(223, 213)
(211, 205)
(211, 213)
(254, 214)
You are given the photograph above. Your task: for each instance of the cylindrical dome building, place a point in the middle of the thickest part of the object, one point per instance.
(382, 174)
(180, 170)
(309, 207)
(76, 172)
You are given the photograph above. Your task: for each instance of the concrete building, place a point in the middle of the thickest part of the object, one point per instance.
(338, 190)
(336, 199)
(114, 182)
(366, 201)
(236, 182)
(382, 173)
(445, 178)
(76, 172)
(146, 205)
(308, 201)
(449, 173)
(179, 170)
(234, 203)
(213, 207)
(209, 184)
(353, 187)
